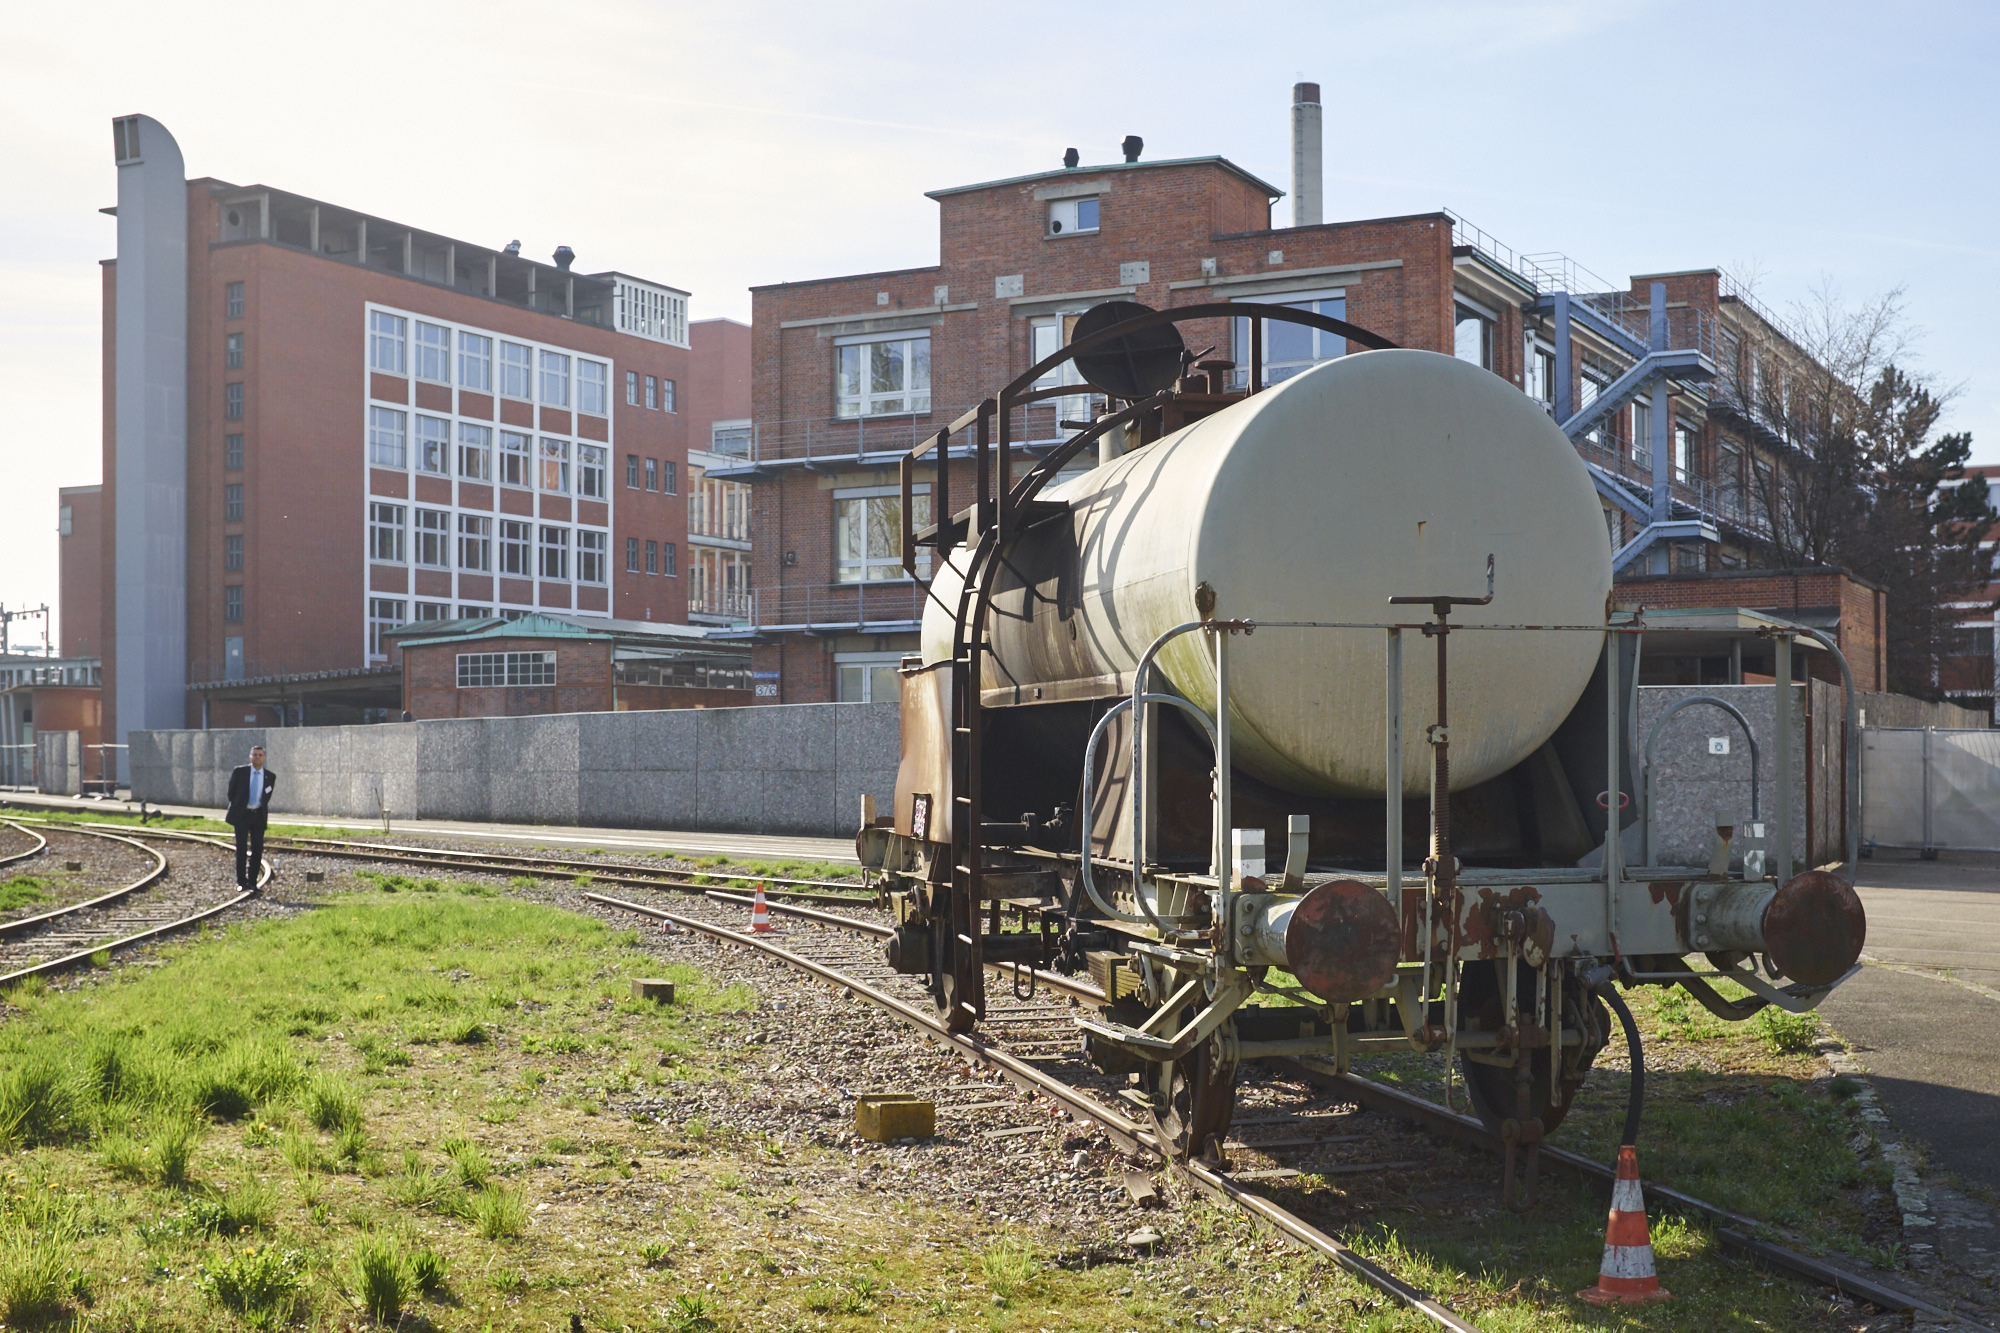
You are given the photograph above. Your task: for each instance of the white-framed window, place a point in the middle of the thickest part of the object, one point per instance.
(431, 611)
(669, 560)
(384, 614)
(652, 474)
(433, 353)
(591, 548)
(652, 556)
(1292, 349)
(1047, 336)
(467, 611)
(475, 362)
(1070, 216)
(1538, 373)
(1683, 452)
(632, 389)
(653, 391)
(868, 533)
(477, 671)
(880, 377)
(555, 466)
(516, 541)
(669, 471)
(590, 478)
(385, 342)
(475, 451)
(555, 380)
(516, 371)
(1472, 334)
(593, 383)
(385, 532)
(555, 552)
(514, 450)
(433, 445)
(632, 555)
(386, 437)
(430, 537)
(668, 388)
(475, 542)
(868, 678)
(651, 312)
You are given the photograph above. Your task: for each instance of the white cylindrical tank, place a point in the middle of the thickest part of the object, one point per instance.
(1380, 474)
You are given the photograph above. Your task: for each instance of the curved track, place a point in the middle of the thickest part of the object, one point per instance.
(41, 844)
(147, 908)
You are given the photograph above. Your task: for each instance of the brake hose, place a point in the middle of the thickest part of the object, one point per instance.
(1635, 1100)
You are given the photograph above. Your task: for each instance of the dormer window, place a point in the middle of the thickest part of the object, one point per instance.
(1067, 216)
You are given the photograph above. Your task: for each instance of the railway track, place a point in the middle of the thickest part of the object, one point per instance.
(1030, 1040)
(41, 844)
(153, 905)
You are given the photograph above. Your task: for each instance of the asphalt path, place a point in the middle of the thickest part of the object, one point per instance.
(1924, 1016)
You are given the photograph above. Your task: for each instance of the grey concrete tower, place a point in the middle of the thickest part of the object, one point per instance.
(1306, 206)
(149, 433)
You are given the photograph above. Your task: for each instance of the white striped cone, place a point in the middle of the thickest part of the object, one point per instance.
(1626, 1276)
(760, 915)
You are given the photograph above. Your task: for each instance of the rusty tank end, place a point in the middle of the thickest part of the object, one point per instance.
(1815, 928)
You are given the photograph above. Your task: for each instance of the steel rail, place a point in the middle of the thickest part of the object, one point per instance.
(152, 933)
(145, 881)
(41, 844)
(1735, 1230)
(542, 867)
(1128, 1134)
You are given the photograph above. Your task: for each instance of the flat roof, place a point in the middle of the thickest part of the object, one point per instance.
(1063, 172)
(545, 625)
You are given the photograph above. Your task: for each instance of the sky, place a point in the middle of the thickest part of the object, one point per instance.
(1805, 147)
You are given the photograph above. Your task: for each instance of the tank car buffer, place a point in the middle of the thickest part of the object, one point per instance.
(1224, 617)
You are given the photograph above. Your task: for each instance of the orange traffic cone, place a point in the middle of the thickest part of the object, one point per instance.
(1626, 1276)
(760, 920)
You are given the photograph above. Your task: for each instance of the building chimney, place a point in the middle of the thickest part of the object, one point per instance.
(1133, 145)
(1306, 205)
(564, 257)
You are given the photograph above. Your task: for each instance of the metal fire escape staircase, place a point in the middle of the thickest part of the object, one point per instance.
(1663, 516)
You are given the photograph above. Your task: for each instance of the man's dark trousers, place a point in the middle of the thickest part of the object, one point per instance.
(249, 821)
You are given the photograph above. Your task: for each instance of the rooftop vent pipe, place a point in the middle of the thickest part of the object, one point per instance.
(1070, 158)
(513, 248)
(564, 257)
(1306, 199)
(1133, 145)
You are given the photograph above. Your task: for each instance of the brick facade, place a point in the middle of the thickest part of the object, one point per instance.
(80, 571)
(1854, 613)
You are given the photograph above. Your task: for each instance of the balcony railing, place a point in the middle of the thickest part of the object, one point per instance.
(734, 603)
(826, 606)
(835, 439)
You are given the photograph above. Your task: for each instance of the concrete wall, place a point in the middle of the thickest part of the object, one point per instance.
(793, 768)
(1693, 787)
(1900, 710)
(59, 762)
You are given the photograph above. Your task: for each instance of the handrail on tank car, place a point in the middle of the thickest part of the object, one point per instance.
(1089, 785)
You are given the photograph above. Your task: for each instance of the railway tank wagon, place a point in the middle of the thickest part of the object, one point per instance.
(1295, 720)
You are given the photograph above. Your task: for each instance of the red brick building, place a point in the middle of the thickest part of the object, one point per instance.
(363, 424)
(1659, 383)
(719, 427)
(80, 571)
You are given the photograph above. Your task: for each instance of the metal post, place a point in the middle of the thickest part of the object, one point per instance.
(1781, 742)
(1736, 661)
(1614, 850)
(1222, 810)
(1565, 387)
(1393, 773)
(1926, 849)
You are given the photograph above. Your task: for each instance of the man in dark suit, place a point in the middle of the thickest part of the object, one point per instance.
(250, 788)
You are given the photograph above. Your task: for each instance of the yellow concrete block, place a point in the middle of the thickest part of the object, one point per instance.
(883, 1116)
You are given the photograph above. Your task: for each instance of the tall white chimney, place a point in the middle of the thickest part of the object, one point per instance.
(1306, 210)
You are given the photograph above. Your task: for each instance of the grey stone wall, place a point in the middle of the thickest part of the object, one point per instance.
(786, 768)
(1900, 710)
(1692, 787)
(59, 762)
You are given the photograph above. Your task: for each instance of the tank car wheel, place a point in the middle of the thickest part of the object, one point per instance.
(1491, 1087)
(1193, 1100)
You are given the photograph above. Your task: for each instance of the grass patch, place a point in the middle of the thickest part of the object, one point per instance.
(381, 1278)
(24, 891)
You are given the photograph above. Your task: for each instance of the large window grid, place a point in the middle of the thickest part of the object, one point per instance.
(493, 670)
(445, 537)
(879, 378)
(1292, 349)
